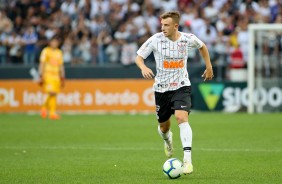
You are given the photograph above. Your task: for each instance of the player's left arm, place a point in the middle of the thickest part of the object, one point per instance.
(41, 67)
(40, 70)
(208, 73)
(62, 75)
(62, 71)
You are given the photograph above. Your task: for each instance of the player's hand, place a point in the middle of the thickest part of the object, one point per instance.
(147, 73)
(62, 82)
(40, 82)
(208, 74)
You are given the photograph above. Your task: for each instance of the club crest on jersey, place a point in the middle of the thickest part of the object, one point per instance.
(181, 48)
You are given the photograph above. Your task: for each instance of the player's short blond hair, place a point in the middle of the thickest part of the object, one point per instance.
(175, 15)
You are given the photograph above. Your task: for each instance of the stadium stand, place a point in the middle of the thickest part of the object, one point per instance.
(108, 32)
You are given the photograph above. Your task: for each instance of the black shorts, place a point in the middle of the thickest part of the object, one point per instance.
(169, 101)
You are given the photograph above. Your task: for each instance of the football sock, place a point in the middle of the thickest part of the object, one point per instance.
(166, 136)
(53, 104)
(45, 104)
(186, 139)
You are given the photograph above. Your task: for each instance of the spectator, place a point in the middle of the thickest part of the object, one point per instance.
(128, 49)
(248, 5)
(3, 47)
(126, 23)
(211, 12)
(208, 35)
(243, 38)
(6, 24)
(151, 19)
(197, 23)
(233, 38)
(15, 44)
(18, 24)
(187, 15)
(67, 51)
(85, 49)
(103, 40)
(167, 5)
(112, 52)
(69, 7)
(29, 40)
(99, 7)
(41, 43)
(236, 58)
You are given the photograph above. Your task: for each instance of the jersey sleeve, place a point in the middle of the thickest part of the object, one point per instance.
(196, 42)
(146, 49)
(43, 55)
(61, 60)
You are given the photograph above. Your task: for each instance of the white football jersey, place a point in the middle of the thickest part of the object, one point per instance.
(171, 59)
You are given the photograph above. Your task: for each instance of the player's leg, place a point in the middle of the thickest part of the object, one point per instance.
(182, 104)
(54, 90)
(186, 139)
(53, 106)
(46, 104)
(163, 112)
(166, 134)
(45, 107)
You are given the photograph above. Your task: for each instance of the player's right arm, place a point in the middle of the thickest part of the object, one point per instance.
(43, 56)
(144, 51)
(62, 75)
(208, 73)
(146, 72)
(41, 66)
(197, 43)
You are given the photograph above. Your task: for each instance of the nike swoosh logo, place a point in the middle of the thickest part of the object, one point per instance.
(182, 106)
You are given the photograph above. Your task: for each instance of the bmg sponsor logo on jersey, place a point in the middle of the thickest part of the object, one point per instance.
(173, 64)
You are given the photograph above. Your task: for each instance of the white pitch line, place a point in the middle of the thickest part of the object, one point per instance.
(131, 148)
(237, 150)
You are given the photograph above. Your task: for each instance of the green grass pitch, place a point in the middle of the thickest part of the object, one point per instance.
(227, 148)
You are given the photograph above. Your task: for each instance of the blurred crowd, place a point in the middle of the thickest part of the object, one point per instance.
(108, 32)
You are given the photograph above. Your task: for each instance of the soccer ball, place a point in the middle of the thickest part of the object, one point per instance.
(173, 168)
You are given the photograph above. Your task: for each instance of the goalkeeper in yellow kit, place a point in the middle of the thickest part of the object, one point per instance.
(52, 76)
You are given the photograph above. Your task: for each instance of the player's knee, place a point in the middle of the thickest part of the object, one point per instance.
(181, 118)
(52, 94)
(164, 127)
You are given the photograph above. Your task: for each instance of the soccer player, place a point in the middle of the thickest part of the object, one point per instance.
(172, 85)
(52, 75)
